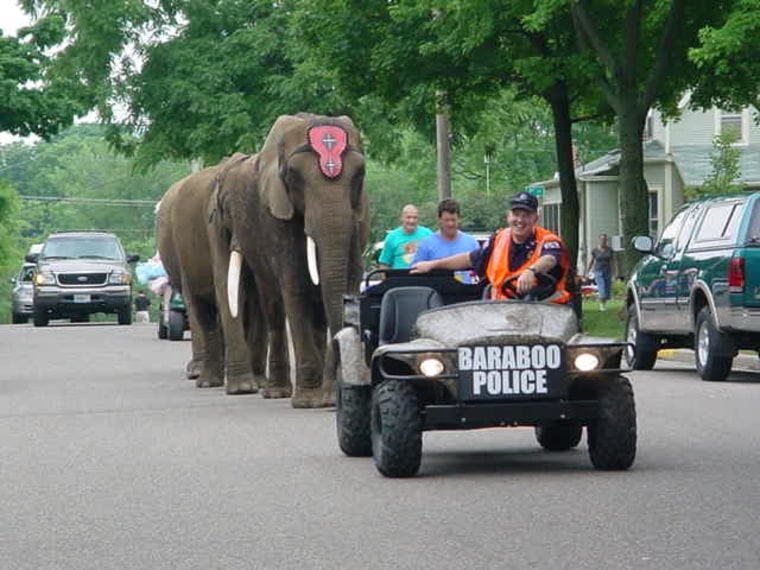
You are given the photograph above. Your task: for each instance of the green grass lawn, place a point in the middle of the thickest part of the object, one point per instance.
(609, 323)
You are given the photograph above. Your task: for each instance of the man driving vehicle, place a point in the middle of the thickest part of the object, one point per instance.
(514, 256)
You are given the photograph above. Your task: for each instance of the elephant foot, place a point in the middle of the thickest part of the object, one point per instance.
(208, 383)
(242, 385)
(193, 370)
(311, 398)
(273, 392)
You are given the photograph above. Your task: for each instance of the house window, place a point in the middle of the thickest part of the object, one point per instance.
(654, 214)
(733, 123)
(550, 217)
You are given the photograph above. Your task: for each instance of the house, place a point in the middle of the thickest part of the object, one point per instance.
(676, 155)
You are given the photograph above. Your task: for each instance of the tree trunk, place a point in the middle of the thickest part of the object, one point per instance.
(634, 194)
(563, 140)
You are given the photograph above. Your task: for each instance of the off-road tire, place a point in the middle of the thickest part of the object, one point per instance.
(710, 366)
(19, 319)
(176, 326)
(353, 410)
(124, 315)
(612, 435)
(643, 354)
(40, 318)
(162, 330)
(396, 429)
(559, 435)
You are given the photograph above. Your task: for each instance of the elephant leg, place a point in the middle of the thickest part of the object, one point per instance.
(255, 329)
(195, 364)
(240, 379)
(207, 347)
(279, 385)
(305, 330)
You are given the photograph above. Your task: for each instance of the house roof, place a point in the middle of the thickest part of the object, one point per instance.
(692, 161)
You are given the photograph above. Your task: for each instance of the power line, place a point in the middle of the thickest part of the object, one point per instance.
(97, 201)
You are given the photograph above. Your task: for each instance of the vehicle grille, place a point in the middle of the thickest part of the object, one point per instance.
(82, 279)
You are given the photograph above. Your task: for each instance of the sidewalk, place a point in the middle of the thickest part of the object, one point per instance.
(744, 360)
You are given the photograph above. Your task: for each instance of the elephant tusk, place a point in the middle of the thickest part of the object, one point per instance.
(233, 282)
(311, 260)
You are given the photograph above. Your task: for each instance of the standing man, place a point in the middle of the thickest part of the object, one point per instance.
(401, 244)
(515, 254)
(448, 240)
(142, 303)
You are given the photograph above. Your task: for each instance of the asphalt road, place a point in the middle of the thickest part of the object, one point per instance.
(109, 459)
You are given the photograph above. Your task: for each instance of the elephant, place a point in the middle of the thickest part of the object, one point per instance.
(299, 213)
(195, 244)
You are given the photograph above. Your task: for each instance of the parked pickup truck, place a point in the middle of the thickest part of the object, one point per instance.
(699, 285)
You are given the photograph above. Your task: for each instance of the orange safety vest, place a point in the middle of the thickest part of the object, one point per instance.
(498, 270)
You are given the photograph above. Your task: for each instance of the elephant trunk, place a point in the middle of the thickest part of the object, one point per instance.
(334, 241)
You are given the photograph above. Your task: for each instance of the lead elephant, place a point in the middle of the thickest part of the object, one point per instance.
(195, 241)
(300, 216)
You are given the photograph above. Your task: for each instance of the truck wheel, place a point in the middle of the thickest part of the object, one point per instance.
(612, 436)
(396, 429)
(162, 332)
(176, 327)
(40, 318)
(641, 353)
(559, 435)
(352, 416)
(125, 315)
(707, 342)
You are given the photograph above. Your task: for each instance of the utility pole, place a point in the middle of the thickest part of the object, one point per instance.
(442, 132)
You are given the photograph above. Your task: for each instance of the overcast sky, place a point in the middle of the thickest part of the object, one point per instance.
(11, 17)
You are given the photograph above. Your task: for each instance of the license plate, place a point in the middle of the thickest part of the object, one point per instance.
(81, 298)
(511, 372)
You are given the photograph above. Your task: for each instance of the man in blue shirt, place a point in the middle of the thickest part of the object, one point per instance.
(448, 240)
(401, 244)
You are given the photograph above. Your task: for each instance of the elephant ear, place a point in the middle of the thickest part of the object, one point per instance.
(274, 194)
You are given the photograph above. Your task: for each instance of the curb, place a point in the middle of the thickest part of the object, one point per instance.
(741, 361)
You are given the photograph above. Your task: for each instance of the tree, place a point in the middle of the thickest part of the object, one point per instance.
(725, 168)
(33, 101)
(642, 55)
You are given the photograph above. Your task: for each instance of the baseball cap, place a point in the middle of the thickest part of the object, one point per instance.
(524, 201)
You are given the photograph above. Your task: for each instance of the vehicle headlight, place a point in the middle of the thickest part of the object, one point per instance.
(431, 367)
(44, 278)
(586, 362)
(119, 278)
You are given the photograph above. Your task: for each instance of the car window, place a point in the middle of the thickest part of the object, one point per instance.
(26, 273)
(720, 223)
(664, 246)
(83, 248)
(687, 228)
(753, 234)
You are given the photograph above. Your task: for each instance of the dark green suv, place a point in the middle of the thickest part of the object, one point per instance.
(699, 285)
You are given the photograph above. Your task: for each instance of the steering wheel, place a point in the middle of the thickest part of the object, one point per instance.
(545, 287)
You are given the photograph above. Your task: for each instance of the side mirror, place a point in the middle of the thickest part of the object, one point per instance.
(643, 244)
(12, 280)
(32, 257)
(132, 258)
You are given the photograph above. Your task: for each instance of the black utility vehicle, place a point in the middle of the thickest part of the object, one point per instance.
(424, 352)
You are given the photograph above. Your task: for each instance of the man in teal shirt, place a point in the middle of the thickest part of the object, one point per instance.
(401, 244)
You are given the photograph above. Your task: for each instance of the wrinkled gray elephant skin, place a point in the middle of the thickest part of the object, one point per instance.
(195, 250)
(306, 182)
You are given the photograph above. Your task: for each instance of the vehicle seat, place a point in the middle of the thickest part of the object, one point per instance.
(399, 311)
